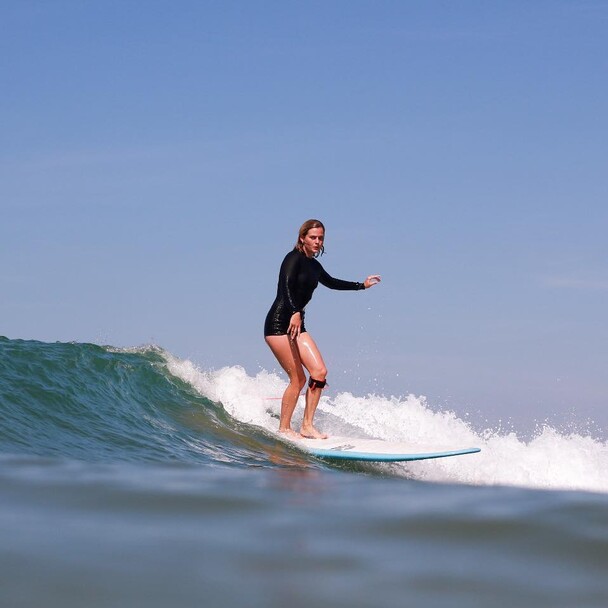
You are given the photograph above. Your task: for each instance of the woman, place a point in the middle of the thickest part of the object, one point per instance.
(284, 329)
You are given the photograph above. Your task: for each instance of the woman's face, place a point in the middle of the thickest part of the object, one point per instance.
(313, 241)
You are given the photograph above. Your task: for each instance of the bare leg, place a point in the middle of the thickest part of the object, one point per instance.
(313, 362)
(286, 352)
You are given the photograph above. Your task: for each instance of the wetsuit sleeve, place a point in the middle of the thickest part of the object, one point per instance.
(288, 282)
(329, 281)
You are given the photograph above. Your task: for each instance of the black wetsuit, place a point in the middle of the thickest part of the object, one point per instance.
(298, 278)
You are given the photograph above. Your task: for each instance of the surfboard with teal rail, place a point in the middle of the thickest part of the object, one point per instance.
(376, 450)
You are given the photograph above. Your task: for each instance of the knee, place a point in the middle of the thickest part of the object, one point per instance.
(301, 382)
(298, 381)
(319, 374)
(317, 378)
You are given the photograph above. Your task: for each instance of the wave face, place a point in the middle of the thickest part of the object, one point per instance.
(101, 404)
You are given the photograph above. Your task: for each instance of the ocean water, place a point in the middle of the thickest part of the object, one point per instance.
(133, 478)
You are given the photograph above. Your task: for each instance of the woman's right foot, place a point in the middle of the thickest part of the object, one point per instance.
(290, 433)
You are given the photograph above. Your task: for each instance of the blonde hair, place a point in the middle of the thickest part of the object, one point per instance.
(304, 228)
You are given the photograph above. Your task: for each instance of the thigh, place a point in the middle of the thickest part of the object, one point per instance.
(286, 352)
(311, 356)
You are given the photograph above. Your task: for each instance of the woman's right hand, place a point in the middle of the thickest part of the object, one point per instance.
(295, 324)
(372, 280)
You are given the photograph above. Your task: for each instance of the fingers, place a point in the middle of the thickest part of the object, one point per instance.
(295, 326)
(372, 280)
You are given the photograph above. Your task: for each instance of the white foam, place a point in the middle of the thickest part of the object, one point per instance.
(551, 460)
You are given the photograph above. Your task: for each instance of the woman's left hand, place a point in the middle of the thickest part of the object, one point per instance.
(372, 280)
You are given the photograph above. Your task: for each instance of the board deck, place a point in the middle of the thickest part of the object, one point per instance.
(375, 450)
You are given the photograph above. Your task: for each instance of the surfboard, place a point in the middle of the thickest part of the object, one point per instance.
(375, 450)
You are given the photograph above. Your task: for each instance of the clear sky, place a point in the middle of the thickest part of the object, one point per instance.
(158, 157)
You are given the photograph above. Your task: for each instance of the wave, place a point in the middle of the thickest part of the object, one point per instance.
(98, 403)
(95, 403)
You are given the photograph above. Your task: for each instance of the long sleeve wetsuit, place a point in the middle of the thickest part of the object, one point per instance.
(298, 278)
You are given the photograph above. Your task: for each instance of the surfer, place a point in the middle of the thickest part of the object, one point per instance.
(284, 329)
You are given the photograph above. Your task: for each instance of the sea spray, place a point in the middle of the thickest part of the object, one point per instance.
(552, 459)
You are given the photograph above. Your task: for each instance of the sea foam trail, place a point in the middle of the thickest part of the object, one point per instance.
(551, 460)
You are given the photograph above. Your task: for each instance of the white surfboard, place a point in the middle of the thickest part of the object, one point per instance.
(375, 450)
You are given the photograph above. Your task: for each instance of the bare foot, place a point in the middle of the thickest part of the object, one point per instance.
(289, 433)
(311, 432)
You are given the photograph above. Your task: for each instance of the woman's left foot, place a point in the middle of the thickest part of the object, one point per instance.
(312, 433)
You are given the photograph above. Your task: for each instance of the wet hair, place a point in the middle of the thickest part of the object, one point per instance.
(304, 228)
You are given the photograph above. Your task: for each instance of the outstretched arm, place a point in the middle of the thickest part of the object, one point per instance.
(329, 281)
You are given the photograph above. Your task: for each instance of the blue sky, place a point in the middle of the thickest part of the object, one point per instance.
(158, 158)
